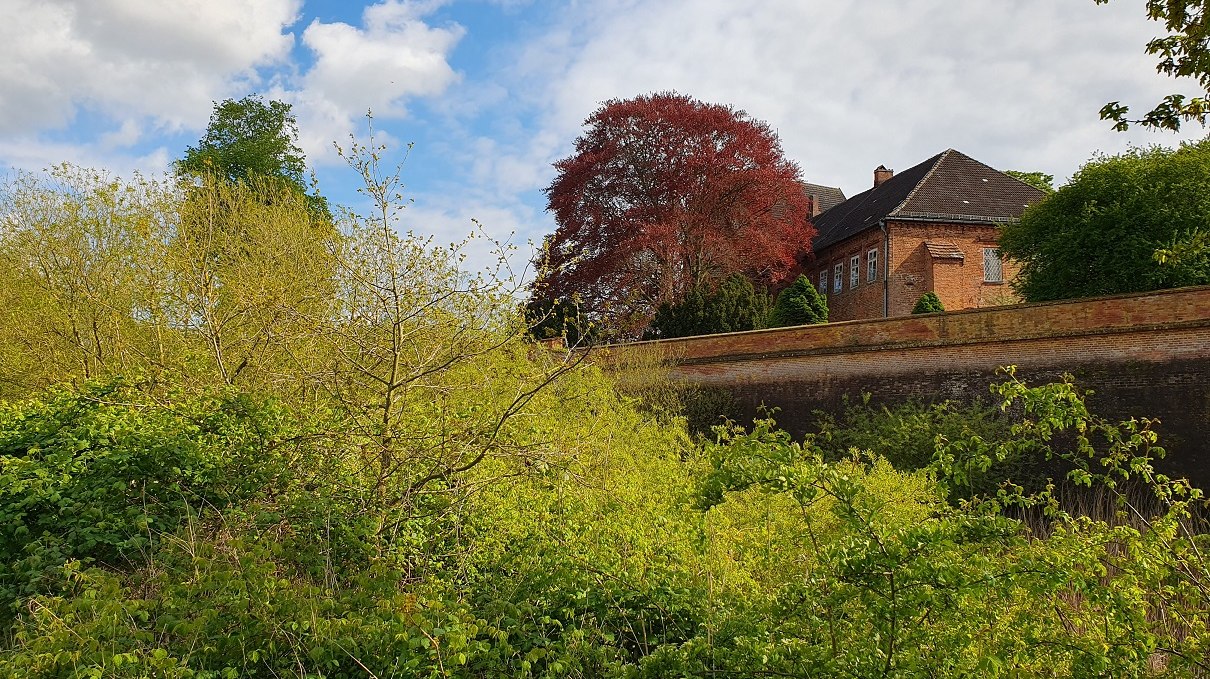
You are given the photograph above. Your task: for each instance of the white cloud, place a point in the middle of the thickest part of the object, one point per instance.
(850, 85)
(32, 154)
(130, 58)
(393, 56)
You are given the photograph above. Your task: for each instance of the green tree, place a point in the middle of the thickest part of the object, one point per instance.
(929, 303)
(1184, 53)
(734, 306)
(253, 140)
(248, 138)
(1038, 180)
(1100, 233)
(799, 304)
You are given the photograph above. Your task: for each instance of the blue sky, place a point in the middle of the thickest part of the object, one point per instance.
(492, 91)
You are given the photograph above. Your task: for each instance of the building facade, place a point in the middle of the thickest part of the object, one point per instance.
(932, 228)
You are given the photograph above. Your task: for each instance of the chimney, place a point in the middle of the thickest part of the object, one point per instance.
(881, 175)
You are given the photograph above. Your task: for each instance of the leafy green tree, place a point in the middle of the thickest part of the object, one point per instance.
(799, 304)
(253, 140)
(249, 138)
(929, 303)
(1038, 180)
(1184, 53)
(734, 306)
(1100, 233)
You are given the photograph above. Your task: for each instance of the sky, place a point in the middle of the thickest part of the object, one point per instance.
(489, 93)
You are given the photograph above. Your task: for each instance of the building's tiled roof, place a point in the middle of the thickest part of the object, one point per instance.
(826, 197)
(950, 186)
(943, 250)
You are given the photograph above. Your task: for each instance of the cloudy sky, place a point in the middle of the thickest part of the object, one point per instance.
(492, 91)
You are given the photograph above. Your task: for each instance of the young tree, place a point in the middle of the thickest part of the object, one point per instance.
(1184, 52)
(799, 304)
(665, 193)
(1101, 233)
(734, 306)
(929, 303)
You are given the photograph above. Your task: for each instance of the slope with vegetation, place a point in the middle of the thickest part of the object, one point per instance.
(240, 441)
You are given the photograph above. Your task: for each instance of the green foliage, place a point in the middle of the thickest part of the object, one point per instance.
(96, 475)
(1183, 53)
(1038, 180)
(548, 319)
(799, 304)
(348, 461)
(734, 306)
(251, 140)
(929, 303)
(1100, 233)
(246, 139)
(908, 436)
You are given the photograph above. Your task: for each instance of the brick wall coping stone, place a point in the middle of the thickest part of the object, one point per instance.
(1174, 309)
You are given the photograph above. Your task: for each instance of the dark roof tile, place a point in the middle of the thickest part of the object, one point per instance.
(948, 186)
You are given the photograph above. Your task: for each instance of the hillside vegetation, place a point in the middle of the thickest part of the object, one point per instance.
(240, 441)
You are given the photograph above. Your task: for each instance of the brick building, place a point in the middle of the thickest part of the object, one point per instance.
(931, 228)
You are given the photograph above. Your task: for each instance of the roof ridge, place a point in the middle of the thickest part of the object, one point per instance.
(940, 158)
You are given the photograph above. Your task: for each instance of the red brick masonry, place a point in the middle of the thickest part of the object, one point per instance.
(1143, 354)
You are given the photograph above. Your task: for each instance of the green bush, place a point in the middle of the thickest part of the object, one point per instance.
(1126, 223)
(97, 474)
(929, 303)
(799, 304)
(909, 434)
(734, 306)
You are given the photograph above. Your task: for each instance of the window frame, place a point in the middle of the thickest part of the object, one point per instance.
(823, 281)
(838, 277)
(854, 271)
(993, 263)
(871, 265)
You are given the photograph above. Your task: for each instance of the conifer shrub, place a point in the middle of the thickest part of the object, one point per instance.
(799, 304)
(734, 306)
(929, 303)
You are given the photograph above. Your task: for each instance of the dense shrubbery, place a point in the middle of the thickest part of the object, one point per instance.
(372, 474)
(1125, 223)
(734, 306)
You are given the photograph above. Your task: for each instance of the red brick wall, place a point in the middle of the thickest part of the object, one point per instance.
(913, 272)
(864, 300)
(1145, 355)
(959, 283)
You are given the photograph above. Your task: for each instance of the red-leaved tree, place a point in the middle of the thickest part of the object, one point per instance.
(664, 193)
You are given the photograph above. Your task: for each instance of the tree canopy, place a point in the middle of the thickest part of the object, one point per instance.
(799, 304)
(1184, 53)
(247, 138)
(1038, 180)
(251, 140)
(735, 305)
(1108, 229)
(664, 193)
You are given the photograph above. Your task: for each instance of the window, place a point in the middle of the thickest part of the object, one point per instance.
(993, 269)
(854, 270)
(823, 282)
(837, 278)
(871, 265)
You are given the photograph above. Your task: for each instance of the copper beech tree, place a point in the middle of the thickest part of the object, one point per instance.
(664, 194)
